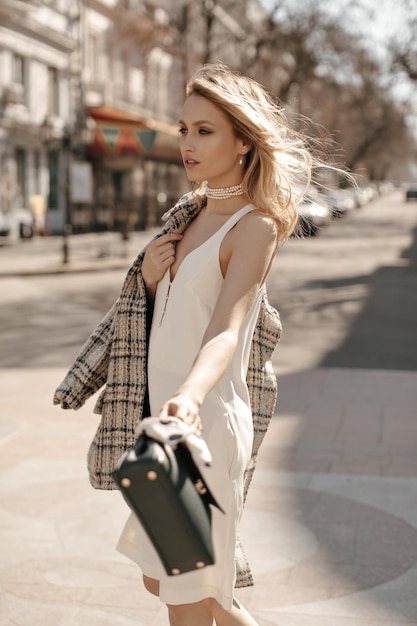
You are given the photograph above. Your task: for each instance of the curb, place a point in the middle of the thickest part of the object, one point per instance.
(70, 268)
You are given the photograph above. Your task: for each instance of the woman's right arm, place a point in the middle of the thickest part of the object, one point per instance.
(159, 256)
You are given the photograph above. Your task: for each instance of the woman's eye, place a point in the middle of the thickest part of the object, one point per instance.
(201, 131)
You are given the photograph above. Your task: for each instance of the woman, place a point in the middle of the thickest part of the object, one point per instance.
(210, 331)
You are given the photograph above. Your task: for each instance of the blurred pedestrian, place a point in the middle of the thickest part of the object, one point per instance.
(192, 333)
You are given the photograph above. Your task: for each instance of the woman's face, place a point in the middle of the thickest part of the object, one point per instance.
(209, 148)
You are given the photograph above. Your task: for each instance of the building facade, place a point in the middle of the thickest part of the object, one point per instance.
(90, 93)
(132, 92)
(36, 49)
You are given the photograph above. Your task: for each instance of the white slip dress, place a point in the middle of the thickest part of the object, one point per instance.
(182, 311)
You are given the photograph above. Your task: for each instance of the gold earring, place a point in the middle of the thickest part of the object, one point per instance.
(241, 160)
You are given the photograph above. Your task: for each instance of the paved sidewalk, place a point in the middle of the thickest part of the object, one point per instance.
(86, 252)
(330, 526)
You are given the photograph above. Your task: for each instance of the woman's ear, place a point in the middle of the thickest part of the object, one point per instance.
(246, 147)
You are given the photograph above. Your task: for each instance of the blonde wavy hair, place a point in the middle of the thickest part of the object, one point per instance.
(278, 165)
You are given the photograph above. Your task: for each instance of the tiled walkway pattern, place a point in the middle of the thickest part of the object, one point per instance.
(330, 527)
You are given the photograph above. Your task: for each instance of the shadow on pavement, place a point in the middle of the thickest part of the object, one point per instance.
(49, 331)
(344, 442)
(384, 334)
(355, 438)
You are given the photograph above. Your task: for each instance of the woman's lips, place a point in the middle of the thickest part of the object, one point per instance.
(190, 163)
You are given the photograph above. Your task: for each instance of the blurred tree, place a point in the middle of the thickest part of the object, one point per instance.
(314, 65)
(404, 49)
(336, 79)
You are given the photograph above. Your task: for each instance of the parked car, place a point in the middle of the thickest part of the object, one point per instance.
(341, 201)
(364, 194)
(314, 213)
(411, 193)
(17, 222)
(385, 187)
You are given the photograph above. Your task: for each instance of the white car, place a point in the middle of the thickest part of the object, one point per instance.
(313, 214)
(17, 222)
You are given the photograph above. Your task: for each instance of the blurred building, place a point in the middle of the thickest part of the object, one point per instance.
(36, 48)
(90, 92)
(87, 99)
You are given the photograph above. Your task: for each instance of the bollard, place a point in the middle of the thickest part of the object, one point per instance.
(65, 243)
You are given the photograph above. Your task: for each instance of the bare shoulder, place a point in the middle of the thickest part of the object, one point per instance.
(257, 219)
(258, 228)
(251, 244)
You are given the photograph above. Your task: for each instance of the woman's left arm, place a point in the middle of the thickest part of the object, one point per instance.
(250, 248)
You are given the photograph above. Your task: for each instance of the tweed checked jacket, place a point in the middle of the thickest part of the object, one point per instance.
(115, 356)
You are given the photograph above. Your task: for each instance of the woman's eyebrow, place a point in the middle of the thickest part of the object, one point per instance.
(197, 122)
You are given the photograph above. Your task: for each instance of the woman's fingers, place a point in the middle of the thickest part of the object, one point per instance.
(159, 255)
(164, 242)
(165, 253)
(184, 408)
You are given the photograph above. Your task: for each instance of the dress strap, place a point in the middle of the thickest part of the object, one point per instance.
(233, 220)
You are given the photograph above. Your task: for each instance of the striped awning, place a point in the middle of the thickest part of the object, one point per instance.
(118, 132)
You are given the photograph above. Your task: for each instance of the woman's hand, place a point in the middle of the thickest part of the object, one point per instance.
(185, 408)
(159, 256)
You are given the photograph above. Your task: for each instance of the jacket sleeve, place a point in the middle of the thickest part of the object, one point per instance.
(89, 372)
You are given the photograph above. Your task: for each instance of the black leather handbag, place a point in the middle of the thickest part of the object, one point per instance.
(166, 490)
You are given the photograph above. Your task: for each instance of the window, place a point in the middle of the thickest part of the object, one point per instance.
(94, 58)
(118, 73)
(53, 159)
(19, 69)
(53, 91)
(126, 75)
(159, 67)
(19, 79)
(20, 156)
(37, 171)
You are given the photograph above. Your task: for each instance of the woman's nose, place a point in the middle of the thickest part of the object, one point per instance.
(187, 143)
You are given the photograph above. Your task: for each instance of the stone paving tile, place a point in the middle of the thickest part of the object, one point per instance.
(335, 549)
(334, 420)
(400, 467)
(88, 252)
(308, 620)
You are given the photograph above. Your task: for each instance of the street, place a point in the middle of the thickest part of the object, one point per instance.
(330, 525)
(347, 298)
(276, 98)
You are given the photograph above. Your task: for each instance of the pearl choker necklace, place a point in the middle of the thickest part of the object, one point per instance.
(224, 192)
